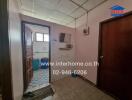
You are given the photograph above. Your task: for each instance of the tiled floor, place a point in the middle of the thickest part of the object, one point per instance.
(76, 89)
(40, 79)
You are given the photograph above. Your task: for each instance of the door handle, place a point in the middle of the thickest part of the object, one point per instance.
(101, 57)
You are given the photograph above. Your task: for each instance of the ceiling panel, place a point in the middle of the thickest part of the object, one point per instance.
(51, 4)
(56, 21)
(50, 14)
(49, 19)
(92, 3)
(66, 22)
(59, 16)
(66, 6)
(43, 17)
(80, 2)
(26, 13)
(68, 19)
(41, 10)
(78, 13)
(27, 5)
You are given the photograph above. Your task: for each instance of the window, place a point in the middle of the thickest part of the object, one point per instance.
(39, 37)
(46, 37)
(42, 37)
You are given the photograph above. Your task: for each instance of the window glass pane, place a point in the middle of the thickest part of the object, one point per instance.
(39, 37)
(46, 37)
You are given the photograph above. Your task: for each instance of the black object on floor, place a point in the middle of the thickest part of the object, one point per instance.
(74, 75)
(28, 95)
(40, 94)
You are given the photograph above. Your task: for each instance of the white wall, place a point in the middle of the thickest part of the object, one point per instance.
(15, 50)
(87, 46)
(56, 54)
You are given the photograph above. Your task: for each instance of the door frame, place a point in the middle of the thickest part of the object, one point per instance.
(5, 53)
(23, 48)
(100, 42)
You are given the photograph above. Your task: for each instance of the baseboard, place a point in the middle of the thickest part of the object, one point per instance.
(88, 81)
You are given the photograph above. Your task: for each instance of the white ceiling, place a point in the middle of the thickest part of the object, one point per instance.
(61, 12)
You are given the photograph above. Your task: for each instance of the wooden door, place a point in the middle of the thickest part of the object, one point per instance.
(115, 57)
(28, 56)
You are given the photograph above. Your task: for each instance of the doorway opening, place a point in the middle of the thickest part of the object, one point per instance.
(36, 56)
